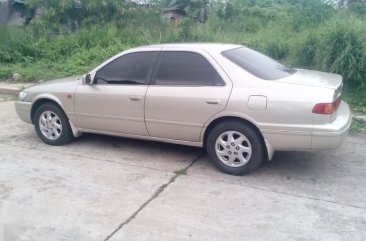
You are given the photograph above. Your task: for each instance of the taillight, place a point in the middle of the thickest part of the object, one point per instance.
(327, 108)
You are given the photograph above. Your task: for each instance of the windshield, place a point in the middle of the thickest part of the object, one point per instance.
(258, 64)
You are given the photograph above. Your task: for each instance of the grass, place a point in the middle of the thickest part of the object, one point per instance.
(357, 101)
(358, 127)
(29, 72)
(181, 172)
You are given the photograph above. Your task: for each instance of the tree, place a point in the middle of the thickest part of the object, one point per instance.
(197, 9)
(345, 3)
(79, 12)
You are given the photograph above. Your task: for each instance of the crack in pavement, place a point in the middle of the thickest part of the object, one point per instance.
(155, 195)
(160, 170)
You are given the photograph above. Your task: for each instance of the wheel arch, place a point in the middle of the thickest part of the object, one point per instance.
(43, 100)
(268, 149)
(40, 102)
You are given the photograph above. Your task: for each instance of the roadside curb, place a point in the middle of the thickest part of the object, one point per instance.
(9, 91)
(7, 88)
(360, 118)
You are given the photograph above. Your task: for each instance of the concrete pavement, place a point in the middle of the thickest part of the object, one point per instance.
(107, 188)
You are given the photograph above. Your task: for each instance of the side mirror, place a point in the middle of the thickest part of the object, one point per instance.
(88, 79)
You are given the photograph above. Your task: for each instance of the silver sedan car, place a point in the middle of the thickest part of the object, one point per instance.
(239, 104)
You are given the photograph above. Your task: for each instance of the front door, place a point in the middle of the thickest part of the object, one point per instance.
(115, 102)
(187, 89)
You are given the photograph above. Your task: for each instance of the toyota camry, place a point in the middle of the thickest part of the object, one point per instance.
(239, 104)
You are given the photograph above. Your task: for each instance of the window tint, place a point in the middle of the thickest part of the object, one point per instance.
(132, 68)
(258, 64)
(186, 68)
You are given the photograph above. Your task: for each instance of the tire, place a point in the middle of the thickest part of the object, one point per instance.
(241, 155)
(52, 125)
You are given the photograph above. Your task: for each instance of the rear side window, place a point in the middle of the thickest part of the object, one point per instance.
(133, 68)
(186, 68)
(258, 64)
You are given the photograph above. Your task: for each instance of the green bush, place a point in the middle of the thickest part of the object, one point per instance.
(304, 49)
(301, 33)
(358, 8)
(343, 51)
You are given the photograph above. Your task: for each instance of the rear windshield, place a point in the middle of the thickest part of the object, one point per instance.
(258, 64)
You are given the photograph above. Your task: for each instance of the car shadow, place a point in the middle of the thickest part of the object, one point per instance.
(130, 143)
(284, 166)
(292, 163)
(284, 162)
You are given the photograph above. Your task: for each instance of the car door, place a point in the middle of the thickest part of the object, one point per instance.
(187, 89)
(115, 102)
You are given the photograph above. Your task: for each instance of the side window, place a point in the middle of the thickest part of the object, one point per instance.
(186, 68)
(133, 68)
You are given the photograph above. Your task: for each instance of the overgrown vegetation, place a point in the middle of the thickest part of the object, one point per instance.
(69, 39)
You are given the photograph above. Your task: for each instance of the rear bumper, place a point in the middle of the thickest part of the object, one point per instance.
(23, 110)
(332, 136)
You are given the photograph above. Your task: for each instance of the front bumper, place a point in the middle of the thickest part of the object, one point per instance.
(332, 135)
(23, 110)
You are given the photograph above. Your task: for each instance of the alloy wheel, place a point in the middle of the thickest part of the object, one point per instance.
(233, 149)
(50, 125)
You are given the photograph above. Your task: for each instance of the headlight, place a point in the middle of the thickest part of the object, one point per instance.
(22, 95)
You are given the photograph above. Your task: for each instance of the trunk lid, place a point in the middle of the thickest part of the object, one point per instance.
(314, 78)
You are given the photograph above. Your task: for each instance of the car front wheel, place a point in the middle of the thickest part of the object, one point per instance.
(235, 148)
(52, 125)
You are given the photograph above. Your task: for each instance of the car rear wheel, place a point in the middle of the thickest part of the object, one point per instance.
(235, 148)
(52, 125)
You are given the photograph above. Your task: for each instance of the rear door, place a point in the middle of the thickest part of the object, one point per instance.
(187, 89)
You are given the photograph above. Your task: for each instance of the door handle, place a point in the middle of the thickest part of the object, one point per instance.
(213, 101)
(135, 98)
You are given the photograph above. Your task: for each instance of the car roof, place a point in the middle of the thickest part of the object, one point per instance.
(209, 47)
